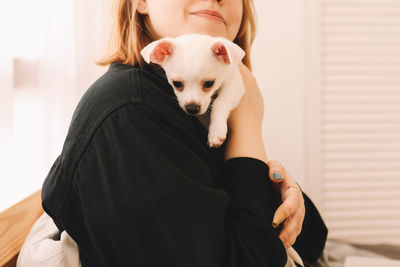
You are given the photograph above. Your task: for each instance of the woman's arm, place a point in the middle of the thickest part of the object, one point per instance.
(245, 122)
(245, 140)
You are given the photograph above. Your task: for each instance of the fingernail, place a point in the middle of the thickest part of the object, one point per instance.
(277, 176)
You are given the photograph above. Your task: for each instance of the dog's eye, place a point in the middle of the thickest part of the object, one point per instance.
(178, 84)
(208, 84)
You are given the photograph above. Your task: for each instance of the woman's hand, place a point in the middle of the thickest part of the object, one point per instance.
(292, 209)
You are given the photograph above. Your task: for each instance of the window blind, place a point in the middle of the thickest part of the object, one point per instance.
(357, 139)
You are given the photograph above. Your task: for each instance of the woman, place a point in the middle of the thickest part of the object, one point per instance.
(136, 184)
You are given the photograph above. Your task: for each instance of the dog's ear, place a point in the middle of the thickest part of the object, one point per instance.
(227, 52)
(157, 51)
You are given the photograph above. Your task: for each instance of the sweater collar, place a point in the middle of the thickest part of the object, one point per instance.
(154, 68)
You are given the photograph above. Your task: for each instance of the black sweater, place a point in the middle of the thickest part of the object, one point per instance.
(137, 185)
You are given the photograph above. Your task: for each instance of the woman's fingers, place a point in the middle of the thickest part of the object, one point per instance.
(288, 207)
(292, 228)
(276, 171)
(280, 215)
(292, 210)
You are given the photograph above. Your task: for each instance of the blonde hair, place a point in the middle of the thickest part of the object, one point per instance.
(132, 31)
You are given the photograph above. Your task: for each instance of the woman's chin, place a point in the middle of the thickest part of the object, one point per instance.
(201, 29)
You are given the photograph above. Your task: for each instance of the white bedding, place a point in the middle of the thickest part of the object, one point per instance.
(353, 261)
(341, 254)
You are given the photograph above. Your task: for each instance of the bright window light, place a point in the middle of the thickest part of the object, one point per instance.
(27, 24)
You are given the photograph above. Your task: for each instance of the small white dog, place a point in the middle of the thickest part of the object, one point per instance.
(197, 66)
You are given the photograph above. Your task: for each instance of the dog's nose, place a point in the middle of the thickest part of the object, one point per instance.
(192, 108)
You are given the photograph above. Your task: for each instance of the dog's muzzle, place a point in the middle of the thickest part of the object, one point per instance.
(192, 108)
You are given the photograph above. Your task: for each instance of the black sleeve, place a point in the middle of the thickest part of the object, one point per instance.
(247, 181)
(311, 241)
(142, 195)
(251, 239)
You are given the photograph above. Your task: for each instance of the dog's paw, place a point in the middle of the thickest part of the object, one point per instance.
(217, 134)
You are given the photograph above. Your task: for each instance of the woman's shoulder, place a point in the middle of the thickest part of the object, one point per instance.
(133, 95)
(122, 85)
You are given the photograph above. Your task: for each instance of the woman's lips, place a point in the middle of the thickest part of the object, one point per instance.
(210, 14)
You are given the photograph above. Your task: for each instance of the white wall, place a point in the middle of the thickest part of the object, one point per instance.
(278, 64)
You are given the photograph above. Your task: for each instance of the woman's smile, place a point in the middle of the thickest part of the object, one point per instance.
(172, 18)
(209, 14)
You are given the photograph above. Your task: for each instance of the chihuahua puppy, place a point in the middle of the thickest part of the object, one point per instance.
(198, 66)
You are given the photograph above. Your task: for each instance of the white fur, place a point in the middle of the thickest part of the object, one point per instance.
(192, 61)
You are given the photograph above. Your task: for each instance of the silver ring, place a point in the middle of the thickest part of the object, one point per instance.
(292, 186)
